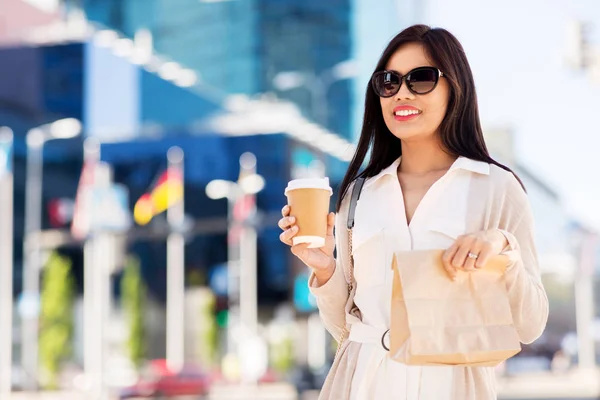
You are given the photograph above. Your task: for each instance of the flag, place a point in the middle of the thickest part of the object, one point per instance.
(80, 225)
(243, 209)
(60, 212)
(165, 192)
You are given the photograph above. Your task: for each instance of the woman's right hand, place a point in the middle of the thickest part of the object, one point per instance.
(320, 260)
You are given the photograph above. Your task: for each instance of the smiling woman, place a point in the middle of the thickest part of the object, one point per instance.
(421, 102)
(430, 183)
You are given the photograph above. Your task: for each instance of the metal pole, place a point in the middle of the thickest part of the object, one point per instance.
(103, 265)
(248, 269)
(32, 257)
(105, 257)
(248, 278)
(584, 302)
(98, 244)
(91, 325)
(175, 270)
(6, 262)
(233, 274)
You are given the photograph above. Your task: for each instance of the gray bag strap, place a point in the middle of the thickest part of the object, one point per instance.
(350, 279)
(353, 200)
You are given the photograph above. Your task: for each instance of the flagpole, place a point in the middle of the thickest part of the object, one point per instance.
(242, 264)
(175, 265)
(92, 357)
(248, 299)
(6, 261)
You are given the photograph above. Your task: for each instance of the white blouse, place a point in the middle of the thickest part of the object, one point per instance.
(453, 206)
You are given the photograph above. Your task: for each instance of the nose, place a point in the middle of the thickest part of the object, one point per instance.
(404, 93)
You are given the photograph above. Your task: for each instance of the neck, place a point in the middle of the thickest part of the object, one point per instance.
(423, 157)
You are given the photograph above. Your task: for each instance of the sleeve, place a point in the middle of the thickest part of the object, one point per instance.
(332, 296)
(528, 299)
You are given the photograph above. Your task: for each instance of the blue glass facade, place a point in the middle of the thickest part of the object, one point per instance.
(81, 80)
(239, 46)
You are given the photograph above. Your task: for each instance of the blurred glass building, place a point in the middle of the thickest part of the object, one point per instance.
(242, 46)
(138, 115)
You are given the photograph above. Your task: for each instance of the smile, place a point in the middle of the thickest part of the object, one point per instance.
(406, 115)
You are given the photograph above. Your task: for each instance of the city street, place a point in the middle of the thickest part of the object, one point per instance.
(161, 161)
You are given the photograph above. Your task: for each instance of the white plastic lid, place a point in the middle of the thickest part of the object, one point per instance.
(309, 183)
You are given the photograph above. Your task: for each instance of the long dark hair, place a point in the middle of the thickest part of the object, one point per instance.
(460, 130)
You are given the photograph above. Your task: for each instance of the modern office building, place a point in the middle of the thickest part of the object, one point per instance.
(241, 46)
(137, 116)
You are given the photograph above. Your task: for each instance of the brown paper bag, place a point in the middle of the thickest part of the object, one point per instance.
(438, 321)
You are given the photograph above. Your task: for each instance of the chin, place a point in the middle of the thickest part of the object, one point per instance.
(408, 134)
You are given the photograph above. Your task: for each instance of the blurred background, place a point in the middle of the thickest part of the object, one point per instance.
(144, 150)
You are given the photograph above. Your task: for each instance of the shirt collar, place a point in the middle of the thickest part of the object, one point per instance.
(461, 162)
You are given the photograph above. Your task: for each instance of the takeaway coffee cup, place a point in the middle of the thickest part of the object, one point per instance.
(309, 203)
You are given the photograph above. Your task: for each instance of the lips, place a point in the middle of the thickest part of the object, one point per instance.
(406, 113)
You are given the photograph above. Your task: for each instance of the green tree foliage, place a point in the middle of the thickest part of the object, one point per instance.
(209, 334)
(56, 317)
(133, 297)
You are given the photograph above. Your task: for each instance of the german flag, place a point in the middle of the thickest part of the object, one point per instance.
(167, 191)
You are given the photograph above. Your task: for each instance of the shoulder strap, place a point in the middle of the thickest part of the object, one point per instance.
(350, 279)
(353, 200)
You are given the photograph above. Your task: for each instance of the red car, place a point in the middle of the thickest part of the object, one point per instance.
(159, 382)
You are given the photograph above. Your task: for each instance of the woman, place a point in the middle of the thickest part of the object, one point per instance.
(431, 183)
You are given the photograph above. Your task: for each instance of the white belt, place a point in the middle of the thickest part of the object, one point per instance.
(363, 333)
(379, 337)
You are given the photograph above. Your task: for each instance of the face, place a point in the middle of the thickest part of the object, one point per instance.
(426, 111)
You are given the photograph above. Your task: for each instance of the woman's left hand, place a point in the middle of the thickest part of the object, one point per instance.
(472, 251)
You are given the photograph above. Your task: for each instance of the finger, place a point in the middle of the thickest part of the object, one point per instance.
(285, 223)
(285, 211)
(282, 239)
(330, 223)
(485, 255)
(470, 261)
(300, 250)
(287, 235)
(458, 261)
(447, 260)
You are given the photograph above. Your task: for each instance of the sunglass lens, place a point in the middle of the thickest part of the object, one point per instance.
(423, 80)
(386, 84)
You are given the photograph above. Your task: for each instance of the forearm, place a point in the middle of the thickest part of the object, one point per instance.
(528, 299)
(332, 297)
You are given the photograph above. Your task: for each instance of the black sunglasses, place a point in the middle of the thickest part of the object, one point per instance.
(421, 80)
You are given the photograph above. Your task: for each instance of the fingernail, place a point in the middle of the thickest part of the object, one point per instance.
(292, 219)
(295, 228)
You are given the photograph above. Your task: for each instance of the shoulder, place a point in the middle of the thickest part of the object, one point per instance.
(345, 204)
(505, 185)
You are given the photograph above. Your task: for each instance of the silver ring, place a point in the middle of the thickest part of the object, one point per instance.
(472, 255)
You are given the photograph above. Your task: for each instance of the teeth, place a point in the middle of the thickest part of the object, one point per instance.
(405, 113)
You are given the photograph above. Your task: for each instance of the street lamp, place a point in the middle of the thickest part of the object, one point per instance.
(318, 85)
(36, 138)
(243, 301)
(175, 264)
